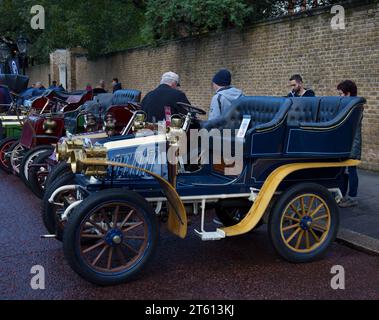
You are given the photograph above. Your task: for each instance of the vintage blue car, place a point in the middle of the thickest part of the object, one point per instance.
(293, 153)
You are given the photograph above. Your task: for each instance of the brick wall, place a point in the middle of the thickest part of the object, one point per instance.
(39, 73)
(262, 59)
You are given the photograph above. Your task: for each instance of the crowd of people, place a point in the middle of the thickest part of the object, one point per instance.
(168, 95)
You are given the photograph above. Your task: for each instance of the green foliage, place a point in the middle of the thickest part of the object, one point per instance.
(103, 26)
(169, 19)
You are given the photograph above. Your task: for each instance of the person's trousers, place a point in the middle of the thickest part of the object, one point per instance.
(351, 183)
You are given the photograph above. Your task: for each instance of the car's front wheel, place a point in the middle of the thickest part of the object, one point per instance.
(123, 230)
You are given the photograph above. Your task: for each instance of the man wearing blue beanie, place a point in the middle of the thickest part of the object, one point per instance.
(225, 94)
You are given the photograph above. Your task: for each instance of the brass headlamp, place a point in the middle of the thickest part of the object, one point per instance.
(174, 131)
(64, 149)
(49, 125)
(89, 161)
(139, 121)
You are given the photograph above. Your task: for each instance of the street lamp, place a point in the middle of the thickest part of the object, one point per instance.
(22, 45)
(5, 52)
(5, 55)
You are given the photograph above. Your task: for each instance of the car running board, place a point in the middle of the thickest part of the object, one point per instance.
(211, 236)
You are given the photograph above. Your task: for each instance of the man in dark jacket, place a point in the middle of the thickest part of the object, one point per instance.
(166, 96)
(116, 85)
(298, 90)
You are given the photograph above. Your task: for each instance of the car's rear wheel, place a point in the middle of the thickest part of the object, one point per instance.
(52, 212)
(304, 223)
(5, 145)
(38, 173)
(125, 229)
(16, 154)
(28, 160)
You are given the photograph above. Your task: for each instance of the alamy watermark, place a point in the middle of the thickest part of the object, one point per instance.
(37, 281)
(338, 281)
(38, 20)
(338, 21)
(198, 147)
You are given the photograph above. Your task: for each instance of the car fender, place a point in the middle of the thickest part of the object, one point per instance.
(268, 190)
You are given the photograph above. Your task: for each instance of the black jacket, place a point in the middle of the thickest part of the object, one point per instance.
(307, 93)
(117, 87)
(155, 102)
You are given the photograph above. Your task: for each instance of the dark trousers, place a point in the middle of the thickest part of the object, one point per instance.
(351, 183)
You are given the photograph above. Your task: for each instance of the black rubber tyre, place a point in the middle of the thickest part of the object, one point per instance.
(5, 145)
(91, 207)
(49, 211)
(57, 171)
(36, 185)
(28, 159)
(303, 217)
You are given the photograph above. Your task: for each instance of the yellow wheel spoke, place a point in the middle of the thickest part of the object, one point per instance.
(307, 242)
(310, 205)
(293, 235)
(317, 209)
(320, 218)
(292, 218)
(291, 227)
(299, 239)
(302, 206)
(314, 235)
(295, 210)
(319, 228)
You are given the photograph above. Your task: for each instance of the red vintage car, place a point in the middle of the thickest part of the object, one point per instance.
(102, 117)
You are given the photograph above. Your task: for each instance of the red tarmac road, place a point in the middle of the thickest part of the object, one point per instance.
(237, 268)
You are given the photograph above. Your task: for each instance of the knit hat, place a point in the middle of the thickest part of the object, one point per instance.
(223, 78)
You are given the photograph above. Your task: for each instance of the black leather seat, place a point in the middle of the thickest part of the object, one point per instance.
(265, 112)
(323, 126)
(122, 97)
(303, 110)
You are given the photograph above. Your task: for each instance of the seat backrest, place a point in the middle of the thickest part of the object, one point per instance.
(319, 109)
(303, 110)
(122, 97)
(328, 108)
(261, 109)
(5, 96)
(104, 99)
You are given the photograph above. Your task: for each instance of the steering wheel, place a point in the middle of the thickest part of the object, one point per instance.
(191, 109)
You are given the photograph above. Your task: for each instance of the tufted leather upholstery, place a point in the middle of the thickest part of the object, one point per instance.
(122, 97)
(303, 110)
(261, 109)
(319, 109)
(328, 109)
(104, 99)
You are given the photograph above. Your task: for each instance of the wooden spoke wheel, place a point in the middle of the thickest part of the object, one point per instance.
(38, 173)
(5, 145)
(304, 222)
(122, 229)
(28, 160)
(17, 152)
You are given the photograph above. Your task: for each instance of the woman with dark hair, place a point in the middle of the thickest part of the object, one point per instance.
(348, 88)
